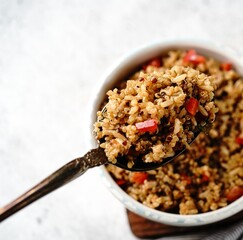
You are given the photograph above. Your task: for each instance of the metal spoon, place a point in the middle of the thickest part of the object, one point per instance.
(71, 171)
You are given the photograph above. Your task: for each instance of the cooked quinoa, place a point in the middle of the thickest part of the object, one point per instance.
(209, 175)
(155, 114)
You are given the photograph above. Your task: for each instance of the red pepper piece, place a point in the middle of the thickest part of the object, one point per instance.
(186, 178)
(234, 193)
(226, 66)
(120, 182)
(139, 177)
(155, 62)
(194, 58)
(239, 140)
(192, 106)
(149, 125)
(205, 178)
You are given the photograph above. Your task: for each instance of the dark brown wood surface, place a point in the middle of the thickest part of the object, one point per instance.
(144, 228)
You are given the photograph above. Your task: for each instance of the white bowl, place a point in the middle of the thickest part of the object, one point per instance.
(120, 70)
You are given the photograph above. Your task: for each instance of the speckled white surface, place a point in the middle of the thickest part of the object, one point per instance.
(52, 53)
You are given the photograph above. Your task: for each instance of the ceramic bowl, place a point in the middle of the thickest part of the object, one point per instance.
(119, 71)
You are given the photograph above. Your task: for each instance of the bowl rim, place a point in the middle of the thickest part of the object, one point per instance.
(208, 48)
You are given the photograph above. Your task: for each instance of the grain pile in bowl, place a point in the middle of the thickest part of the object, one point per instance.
(155, 114)
(209, 175)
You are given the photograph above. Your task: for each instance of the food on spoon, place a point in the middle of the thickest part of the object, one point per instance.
(155, 114)
(209, 175)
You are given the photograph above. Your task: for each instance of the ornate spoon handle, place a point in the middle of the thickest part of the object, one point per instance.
(65, 174)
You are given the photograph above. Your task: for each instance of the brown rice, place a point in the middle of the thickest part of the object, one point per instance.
(210, 174)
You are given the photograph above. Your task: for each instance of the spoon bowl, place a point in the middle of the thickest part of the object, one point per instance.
(141, 166)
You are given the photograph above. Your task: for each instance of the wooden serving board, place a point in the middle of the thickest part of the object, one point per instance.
(144, 228)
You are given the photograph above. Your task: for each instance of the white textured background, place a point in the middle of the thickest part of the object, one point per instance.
(52, 52)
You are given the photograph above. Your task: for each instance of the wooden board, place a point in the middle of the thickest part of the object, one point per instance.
(144, 228)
